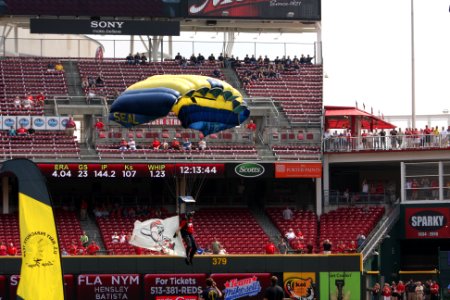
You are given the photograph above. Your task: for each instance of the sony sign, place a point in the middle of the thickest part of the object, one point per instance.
(107, 24)
(110, 27)
(122, 27)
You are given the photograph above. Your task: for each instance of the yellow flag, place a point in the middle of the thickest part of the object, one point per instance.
(41, 272)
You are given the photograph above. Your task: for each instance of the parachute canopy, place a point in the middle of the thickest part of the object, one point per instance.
(202, 103)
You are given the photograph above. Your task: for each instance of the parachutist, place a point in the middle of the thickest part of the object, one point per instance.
(187, 230)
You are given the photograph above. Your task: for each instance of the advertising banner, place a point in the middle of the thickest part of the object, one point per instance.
(111, 27)
(340, 285)
(298, 170)
(69, 286)
(242, 285)
(108, 286)
(173, 286)
(258, 9)
(1, 122)
(24, 121)
(38, 122)
(111, 8)
(52, 123)
(250, 170)
(427, 222)
(300, 285)
(8, 122)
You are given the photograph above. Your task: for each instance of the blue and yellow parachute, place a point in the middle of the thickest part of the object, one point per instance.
(201, 103)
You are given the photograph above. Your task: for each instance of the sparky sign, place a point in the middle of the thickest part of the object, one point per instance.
(237, 286)
(427, 222)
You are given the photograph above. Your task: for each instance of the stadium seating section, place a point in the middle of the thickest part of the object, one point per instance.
(345, 224)
(23, 76)
(43, 144)
(68, 226)
(302, 220)
(9, 230)
(297, 91)
(118, 75)
(236, 228)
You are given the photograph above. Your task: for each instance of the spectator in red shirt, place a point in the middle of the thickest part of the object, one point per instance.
(341, 247)
(3, 250)
(434, 289)
(270, 248)
(99, 125)
(386, 292)
(40, 99)
(71, 126)
(22, 131)
(400, 289)
(93, 248)
(156, 144)
(352, 247)
(12, 250)
(251, 126)
(73, 248)
(123, 145)
(175, 145)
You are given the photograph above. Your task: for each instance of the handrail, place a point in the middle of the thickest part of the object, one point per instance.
(374, 239)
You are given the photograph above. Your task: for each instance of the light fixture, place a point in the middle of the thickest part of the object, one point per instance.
(290, 14)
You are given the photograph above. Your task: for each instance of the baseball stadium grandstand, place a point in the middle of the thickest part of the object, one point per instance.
(330, 199)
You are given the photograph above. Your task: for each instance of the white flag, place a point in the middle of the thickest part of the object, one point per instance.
(157, 235)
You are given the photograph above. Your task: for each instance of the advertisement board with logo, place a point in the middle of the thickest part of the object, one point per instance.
(8, 122)
(300, 285)
(427, 222)
(173, 286)
(111, 8)
(340, 285)
(62, 121)
(250, 170)
(111, 27)
(258, 9)
(242, 285)
(1, 122)
(38, 122)
(298, 170)
(69, 286)
(52, 123)
(109, 286)
(24, 121)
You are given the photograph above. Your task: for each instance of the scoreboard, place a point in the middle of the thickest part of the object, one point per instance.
(141, 170)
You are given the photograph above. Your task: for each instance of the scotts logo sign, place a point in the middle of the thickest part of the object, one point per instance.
(427, 222)
(249, 170)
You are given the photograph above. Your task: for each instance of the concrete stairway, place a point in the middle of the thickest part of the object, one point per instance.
(93, 232)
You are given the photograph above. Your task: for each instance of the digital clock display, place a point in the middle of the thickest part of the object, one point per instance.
(156, 170)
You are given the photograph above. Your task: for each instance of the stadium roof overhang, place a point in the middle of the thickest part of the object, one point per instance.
(203, 25)
(338, 117)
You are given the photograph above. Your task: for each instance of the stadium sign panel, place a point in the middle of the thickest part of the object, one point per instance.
(113, 27)
(169, 170)
(173, 286)
(112, 8)
(427, 222)
(256, 9)
(298, 170)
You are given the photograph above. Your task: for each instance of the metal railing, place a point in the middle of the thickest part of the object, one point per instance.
(399, 142)
(380, 232)
(335, 197)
